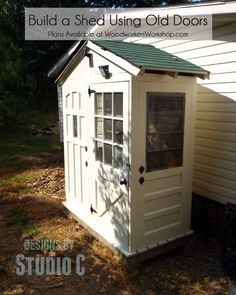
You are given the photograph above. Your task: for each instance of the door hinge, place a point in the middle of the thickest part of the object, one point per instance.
(90, 91)
(92, 210)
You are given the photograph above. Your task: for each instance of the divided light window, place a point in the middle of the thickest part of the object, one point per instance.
(109, 128)
(165, 130)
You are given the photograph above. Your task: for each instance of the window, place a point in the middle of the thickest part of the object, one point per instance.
(109, 128)
(165, 130)
(75, 126)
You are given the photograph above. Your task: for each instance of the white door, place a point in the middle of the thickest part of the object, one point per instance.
(75, 146)
(110, 138)
(165, 161)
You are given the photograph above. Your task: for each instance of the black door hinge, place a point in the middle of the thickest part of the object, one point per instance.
(90, 91)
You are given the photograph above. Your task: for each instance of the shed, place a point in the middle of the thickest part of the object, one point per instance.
(128, 115)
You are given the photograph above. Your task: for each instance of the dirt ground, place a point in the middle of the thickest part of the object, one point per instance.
(31, 209)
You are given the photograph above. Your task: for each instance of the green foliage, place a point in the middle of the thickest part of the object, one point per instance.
(18, 144)
(31, 232)
(14, 180)
(25, 89)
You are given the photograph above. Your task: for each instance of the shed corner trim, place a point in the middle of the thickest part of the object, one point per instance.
(115, 59)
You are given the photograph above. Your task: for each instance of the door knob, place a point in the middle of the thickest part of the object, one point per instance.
(141, 180)
(124, 181)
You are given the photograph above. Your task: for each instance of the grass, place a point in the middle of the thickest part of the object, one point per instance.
(196, 270)
(30, 232)
(23, 143)
(17, 216)
(14, 180)
(20, 152)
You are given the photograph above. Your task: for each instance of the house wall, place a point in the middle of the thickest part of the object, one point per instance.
(215, 137)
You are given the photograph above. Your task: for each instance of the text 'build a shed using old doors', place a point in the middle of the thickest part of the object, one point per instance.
(128, 115)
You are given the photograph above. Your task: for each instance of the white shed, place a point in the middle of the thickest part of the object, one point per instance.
(128, 113)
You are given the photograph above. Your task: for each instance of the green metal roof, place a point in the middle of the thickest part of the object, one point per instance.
(143, 55)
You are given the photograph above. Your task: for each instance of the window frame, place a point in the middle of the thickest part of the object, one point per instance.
(113, 119)
(165, 156)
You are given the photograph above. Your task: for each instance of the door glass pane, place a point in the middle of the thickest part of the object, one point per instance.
(82, 127)
(99, 133)
(118, 131)
(75, 126)
(81, 101)
(67, 99)
(165, 130)
(99, 151)
(164, 159)
(108, 154)
(108, 129)
(108, 104)
(118, 104)
(75, 100)
(118, 157)
(98, 104)
(163, 141)
(68, 125)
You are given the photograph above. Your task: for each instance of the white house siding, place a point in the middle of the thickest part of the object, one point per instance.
(60, 110)
(215, 134)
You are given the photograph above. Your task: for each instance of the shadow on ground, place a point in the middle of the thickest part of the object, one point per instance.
(31, 195)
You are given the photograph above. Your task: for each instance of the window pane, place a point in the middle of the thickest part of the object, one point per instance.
(118, 131)
(166, 112)
(68, 125)
(82, 127)
(108, 129)
(108, 104)
(164, 159)
(118, 104)
(99, 151)
(165, 130)
(108, 154)
(99, 133)
(75, 100)
(75, 126)
(164, 141)
(118, 157)
(98, 104)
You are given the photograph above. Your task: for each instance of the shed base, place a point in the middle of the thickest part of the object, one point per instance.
(139, 255)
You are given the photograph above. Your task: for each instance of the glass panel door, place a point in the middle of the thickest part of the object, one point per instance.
(109, 128)
(164, 130)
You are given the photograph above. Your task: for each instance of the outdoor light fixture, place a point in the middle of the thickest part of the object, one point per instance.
(105, 72)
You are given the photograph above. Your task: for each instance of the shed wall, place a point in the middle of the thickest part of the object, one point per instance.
(60, 110)
(82, 187)
(215, 137)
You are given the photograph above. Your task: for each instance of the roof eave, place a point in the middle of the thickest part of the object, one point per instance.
(71, 60)
(175, 72)
(59, 65)
(121, 62)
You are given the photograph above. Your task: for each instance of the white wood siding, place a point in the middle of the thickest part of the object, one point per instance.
(60, 110)
(215, 134)
(83, 188)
